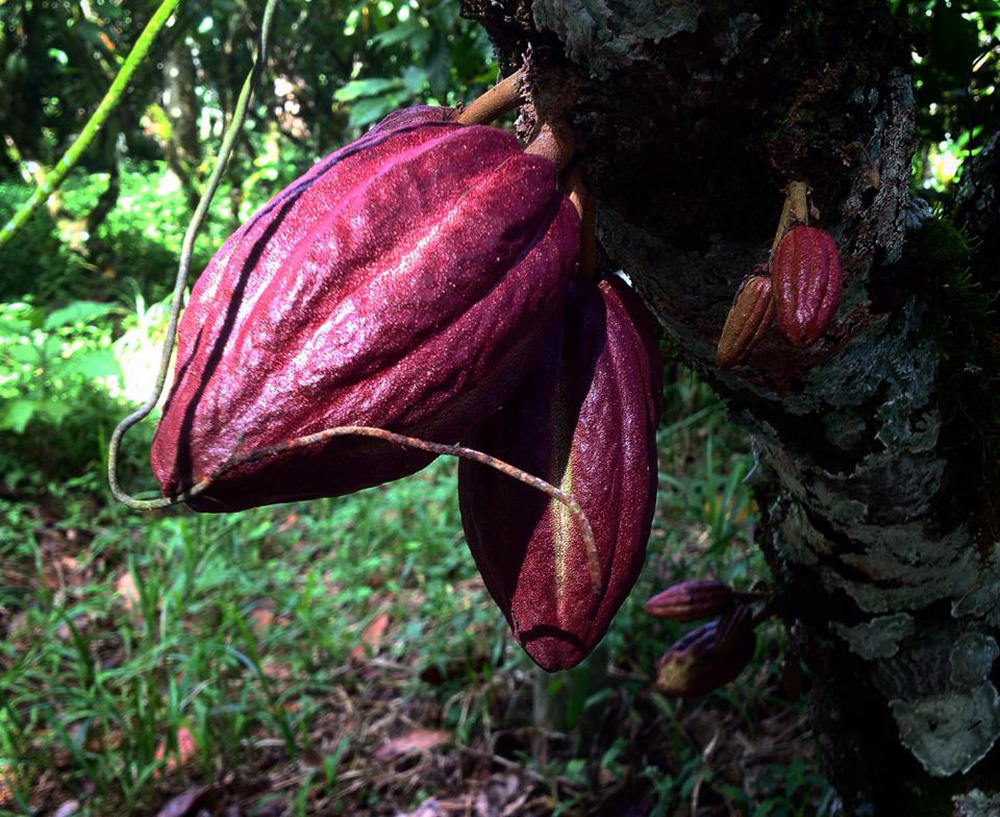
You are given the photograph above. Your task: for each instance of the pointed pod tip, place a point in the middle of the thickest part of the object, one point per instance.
(553, 649)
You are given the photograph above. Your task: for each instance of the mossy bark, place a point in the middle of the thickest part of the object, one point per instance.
(874, 453)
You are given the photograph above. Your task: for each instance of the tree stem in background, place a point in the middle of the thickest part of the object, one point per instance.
(93, 126)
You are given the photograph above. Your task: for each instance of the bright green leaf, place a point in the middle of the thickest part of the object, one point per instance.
(55, 410)
(414, 78)
(366, 111)
(77, 312)
(357, 88)
(99, 363)
(15, 414)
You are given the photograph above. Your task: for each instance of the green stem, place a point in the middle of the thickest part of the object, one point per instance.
(93, 126)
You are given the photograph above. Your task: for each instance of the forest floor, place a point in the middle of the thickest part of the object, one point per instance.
(343, 657)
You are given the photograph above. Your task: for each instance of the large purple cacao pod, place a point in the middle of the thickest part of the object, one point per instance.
(406, 282)
(584, 419)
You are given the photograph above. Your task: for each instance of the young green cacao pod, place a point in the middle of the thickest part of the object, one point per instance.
(692, 600)
(749, 317)
(584, 419)
(406, 282)
(708, 657)
(805, 272)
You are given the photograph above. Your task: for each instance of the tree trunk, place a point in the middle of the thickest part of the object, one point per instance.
(181, 107)
(877, 444)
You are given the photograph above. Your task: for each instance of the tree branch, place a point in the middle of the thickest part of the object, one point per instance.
(93, 126)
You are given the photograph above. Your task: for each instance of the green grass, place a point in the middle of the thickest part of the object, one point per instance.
(245, 637)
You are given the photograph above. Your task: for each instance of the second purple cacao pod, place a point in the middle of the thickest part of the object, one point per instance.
(584, 419)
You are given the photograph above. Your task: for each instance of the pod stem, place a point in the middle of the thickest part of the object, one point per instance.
(585, 202)
(555, 143)
(502, 97)
(794, 212)
(399, 439)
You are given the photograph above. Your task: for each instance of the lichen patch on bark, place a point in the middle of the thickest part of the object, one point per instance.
(878, 638)
(950, 733)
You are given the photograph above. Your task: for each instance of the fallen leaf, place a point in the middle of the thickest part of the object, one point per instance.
(64, 571)
(6, 784)
(128, 591)
(371, 637)
(67, 808)
(277, 670)
(183, 804)
(186, 749)
(260, 618)
(419, 740)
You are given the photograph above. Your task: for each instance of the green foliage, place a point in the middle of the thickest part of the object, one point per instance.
(55, 368)
(36, 261)
(54, 59)
(956, 72)
(965, 320)
(191, 652)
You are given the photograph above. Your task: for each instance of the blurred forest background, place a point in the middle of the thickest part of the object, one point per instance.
(339, 656)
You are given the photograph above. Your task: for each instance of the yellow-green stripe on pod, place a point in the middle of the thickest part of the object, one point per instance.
(584, 418)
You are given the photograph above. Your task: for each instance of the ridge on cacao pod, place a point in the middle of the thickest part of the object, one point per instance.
(406, 282)
(583, 419)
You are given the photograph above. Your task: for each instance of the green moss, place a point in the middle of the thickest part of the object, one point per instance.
(938, 245)
(965, 322)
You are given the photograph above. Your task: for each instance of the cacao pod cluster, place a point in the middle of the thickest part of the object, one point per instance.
(421, 281)
(713, 654)
(801, 288)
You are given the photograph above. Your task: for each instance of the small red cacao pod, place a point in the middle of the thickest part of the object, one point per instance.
(692, 600)
(696, 664)
(749, 317)
(805, 272)
(406, 282)
(583, 419)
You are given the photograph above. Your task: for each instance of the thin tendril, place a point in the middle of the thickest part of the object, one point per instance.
(408, 442)
(228, 142)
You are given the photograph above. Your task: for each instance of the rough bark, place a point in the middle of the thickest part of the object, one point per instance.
(875, 459)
